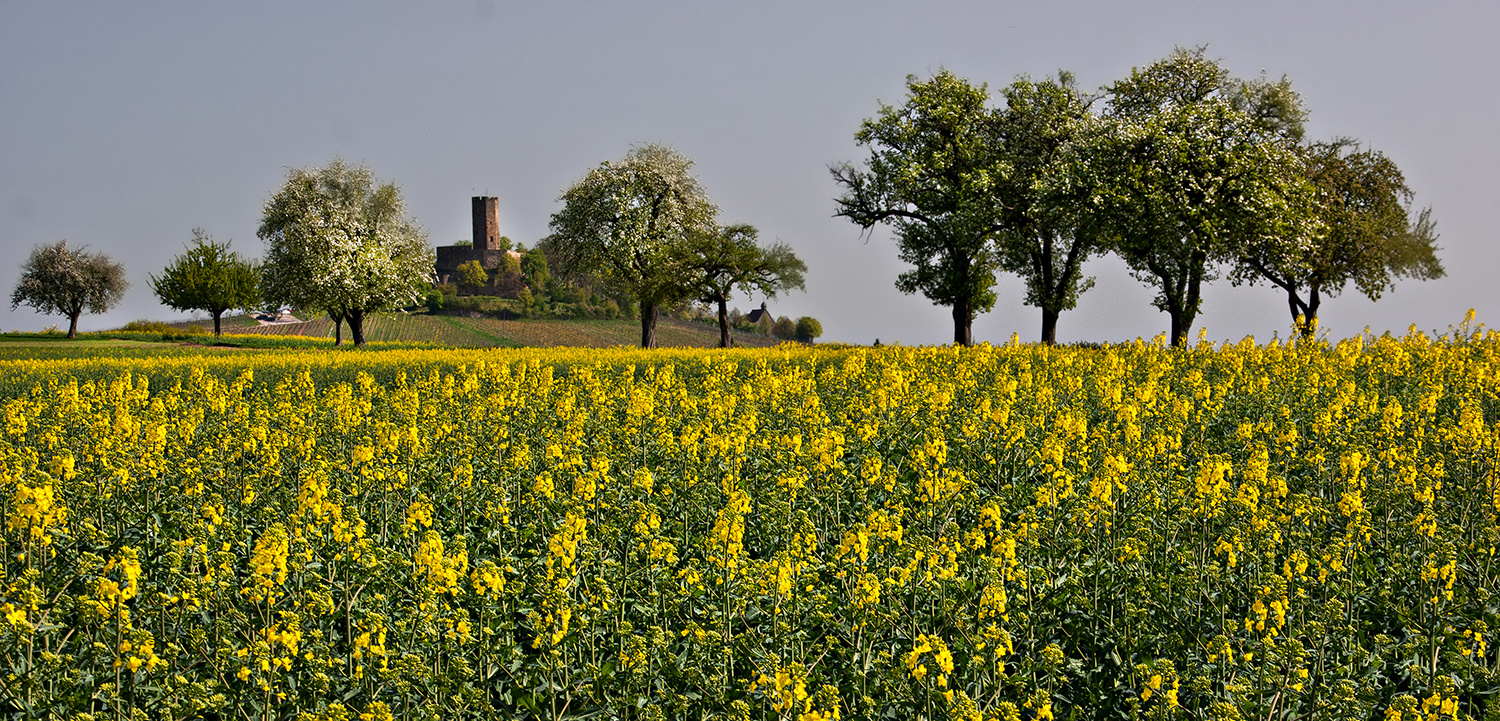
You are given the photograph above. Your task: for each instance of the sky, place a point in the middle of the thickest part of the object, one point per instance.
(124, 126)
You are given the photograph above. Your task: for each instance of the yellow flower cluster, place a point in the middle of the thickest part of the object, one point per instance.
(35, 512)
(268, 564)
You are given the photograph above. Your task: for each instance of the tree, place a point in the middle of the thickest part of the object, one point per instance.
(808, 329)
(472, 274)
(627, 223)
(728, 259)
(1047, 230)
(785, 328)
(1368, 235)
(339, 242)
(208, 277)
(932, 174)
(1186, 178)
(58, 280)
(533, 267)
(509, 265)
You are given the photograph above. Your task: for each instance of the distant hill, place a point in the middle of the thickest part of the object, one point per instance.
(466, 332)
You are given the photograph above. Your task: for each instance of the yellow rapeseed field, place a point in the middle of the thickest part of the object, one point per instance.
(1287, 531)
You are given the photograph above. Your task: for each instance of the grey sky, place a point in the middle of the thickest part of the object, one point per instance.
(125, 125)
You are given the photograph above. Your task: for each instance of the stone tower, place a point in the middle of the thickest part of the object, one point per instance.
(486, 223)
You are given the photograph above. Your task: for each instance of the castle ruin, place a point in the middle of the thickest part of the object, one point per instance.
(485, 246)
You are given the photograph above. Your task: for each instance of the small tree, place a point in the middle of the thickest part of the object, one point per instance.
(932, 173)
(471, 273)
(785, 328)
(58, 280)
(626, 222)
(1368, 236)
(339, 242)
(808, 329)
(728, 259)
(208, 277)
(534, 269)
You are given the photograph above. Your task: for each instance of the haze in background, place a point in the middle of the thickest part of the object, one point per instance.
(125, 125)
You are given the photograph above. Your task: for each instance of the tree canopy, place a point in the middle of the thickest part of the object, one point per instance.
(1047, 232)
(1185, 173)
(729, 259)
(338, 241)
(471, 274)
(58, 280)
(1185, 178)
(932, 174)
(627, 223)
(1367, 234)
(209, 277)
(808, 329)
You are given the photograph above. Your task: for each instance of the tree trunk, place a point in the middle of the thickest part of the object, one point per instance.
(357, 327)
(724, 340)
(1049, 326)
(1194, 296)
(1294, 304)
(1179, 328)
(963, 323)
(338, 327)
(648, 325)
(1310, 318)
(1187, 309)
(73, 323)
(217, 315)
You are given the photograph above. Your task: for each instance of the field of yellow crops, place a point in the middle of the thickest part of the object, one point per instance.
(1242, 531)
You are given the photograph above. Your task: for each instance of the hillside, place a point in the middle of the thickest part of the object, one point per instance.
(462, 332)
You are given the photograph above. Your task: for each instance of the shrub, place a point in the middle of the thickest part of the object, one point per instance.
(808, 329)
(148, 326)
(785, 328)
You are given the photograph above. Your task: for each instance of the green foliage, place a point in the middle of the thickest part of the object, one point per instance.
(626, 223)
(209, 277)
(808, 329)
(1047, 233)
(932, 174)
(57, 280)
(338, 242)
(728, 259)
(533, 266)
(1275, 108)
(166, 331)
(785, 328)
(1366, 233)
(1182, 178)
(471, 274)
(147, 326)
